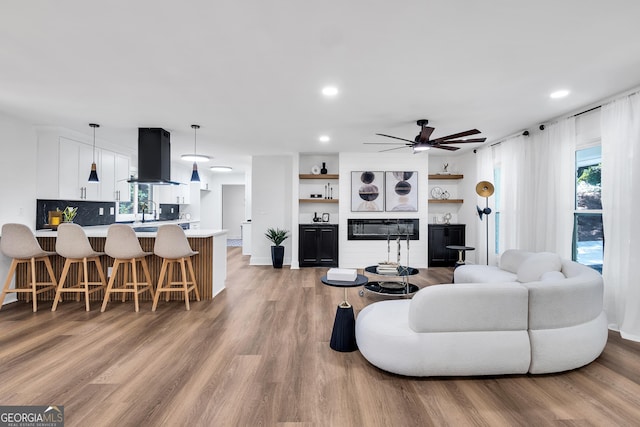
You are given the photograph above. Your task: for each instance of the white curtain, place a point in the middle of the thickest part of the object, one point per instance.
(510, 158)
(484, 172)
(549, 190)
(620, 123)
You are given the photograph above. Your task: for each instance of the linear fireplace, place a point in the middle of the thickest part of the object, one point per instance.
(383, 229)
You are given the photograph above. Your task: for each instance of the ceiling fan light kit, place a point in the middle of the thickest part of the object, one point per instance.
(422, 141)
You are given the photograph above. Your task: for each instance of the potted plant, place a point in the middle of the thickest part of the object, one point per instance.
(69, 213)
(277, 236)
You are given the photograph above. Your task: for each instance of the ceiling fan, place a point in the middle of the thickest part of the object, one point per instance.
(422, 142)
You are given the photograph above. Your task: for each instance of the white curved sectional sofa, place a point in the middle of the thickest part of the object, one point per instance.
(535, 313)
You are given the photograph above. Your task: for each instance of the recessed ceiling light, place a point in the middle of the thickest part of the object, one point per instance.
(195, 157)
(324, 138)
(559, 94)
(329, 91)
(221, 168)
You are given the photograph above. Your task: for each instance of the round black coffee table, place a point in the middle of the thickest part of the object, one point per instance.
(391, 287)
(343, 335)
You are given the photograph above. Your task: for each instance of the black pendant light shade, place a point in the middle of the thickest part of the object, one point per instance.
(93, 176)
(195, 177)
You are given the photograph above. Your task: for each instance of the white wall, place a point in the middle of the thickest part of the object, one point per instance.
(271, 198)
(211, 200)
(464, 188)
(17, 179)
(233, 197)
(360, 253)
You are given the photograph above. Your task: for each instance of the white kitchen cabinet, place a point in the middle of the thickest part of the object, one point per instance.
(74, 166)
(106, 174)
(122, 175)
(113, 175)
(181, 194)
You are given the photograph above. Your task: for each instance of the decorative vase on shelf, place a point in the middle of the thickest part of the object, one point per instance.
(323, 171)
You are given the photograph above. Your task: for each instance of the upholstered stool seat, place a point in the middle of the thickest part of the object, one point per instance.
(174, 249)
(122, 244)
(18, 242)
(72, 243)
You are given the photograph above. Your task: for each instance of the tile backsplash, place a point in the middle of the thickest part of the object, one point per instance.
(89, 212)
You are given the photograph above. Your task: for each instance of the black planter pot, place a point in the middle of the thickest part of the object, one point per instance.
(277, 256)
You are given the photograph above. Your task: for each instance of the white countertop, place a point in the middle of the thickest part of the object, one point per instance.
(101, 230)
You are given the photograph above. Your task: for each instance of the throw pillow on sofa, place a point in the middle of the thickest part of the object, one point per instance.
(552, 276)
(512, 259)
(532, 269)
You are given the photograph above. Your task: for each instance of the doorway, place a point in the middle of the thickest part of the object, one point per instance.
(233, 210)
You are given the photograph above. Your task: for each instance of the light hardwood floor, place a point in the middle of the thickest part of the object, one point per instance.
(258, 354)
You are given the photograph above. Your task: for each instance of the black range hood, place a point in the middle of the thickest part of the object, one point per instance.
(154, 157)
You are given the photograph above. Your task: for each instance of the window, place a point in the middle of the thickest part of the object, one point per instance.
(588, 236)
(496, 180)
(141, 194)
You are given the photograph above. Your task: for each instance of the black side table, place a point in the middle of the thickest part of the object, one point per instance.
(461, 253)
(343, 336)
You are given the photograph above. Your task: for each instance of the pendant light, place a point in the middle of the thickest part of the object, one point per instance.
(93, 176)
(195, 177)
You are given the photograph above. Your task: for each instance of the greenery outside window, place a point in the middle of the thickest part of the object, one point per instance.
(496, 180)
(141, 194)
(588, 234)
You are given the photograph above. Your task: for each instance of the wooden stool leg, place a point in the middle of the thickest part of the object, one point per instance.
(7, 283)
(112, 279)
(103, 278)
(86, 283)
(193, 278)
(63, 279)
(34, 288)
(159, 288)
(185, 287)
(134, 273)
(145, 269)
(167, 295)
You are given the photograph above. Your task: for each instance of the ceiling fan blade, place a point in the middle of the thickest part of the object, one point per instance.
(425, 133)
(391, 149)
(457, 135)
(395, 137)
(446, 147)
(383, 143)
(462, 141)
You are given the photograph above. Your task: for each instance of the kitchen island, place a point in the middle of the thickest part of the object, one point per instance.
(210, 264)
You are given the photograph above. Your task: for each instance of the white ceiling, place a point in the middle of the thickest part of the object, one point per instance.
(250, 72)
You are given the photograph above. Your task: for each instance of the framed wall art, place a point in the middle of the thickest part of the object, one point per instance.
(367, 191)
(401, 192)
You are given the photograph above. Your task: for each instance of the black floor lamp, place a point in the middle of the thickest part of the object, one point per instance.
(485, 189)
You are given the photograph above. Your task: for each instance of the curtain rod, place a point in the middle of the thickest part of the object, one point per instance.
(582, 110)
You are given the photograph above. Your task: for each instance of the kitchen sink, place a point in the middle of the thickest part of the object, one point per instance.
(145, 229)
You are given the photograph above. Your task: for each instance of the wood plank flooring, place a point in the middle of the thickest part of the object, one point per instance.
(258, 354)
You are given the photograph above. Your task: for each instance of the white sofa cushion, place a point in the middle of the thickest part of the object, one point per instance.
(512, 259)
(469, 307)
(552, 276)
(482, 274)
(538, 264)
(386, 341)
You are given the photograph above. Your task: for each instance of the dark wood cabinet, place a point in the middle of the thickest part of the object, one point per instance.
(440, 236)
(318, 245)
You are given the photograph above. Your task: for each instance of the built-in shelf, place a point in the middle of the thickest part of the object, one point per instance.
(318, 200)
(321, 176)
(446, 176)
(445, 200)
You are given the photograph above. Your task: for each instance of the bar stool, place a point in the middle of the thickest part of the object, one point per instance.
(73, 244)
(173, 247)
(18, 242)
(122, 244)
